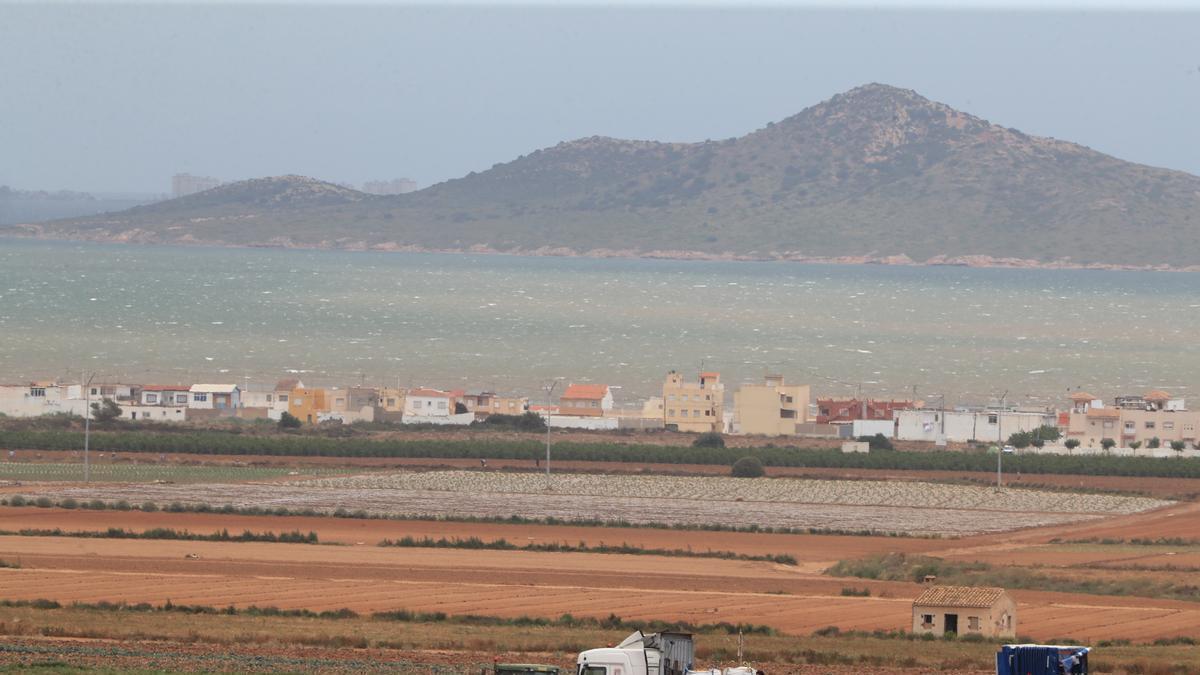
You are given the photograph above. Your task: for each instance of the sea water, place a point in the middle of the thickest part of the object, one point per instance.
(168, 315)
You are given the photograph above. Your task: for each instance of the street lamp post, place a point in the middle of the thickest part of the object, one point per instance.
(1000, 444)
(87, 428)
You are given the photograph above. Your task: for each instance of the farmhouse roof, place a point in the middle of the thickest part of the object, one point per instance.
(1082, 396)
(959, 596)
(429, 393)
(1157, 395)
(1104, 413)
(710, 374)
(589, 392)
(214, 388)
(166, 387)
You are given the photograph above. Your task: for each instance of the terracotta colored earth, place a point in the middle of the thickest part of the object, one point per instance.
(510, 583)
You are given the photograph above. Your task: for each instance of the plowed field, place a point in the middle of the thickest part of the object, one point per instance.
(507, 583)
(879, 506)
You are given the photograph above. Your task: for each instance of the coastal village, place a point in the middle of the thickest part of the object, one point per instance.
(1154, 424)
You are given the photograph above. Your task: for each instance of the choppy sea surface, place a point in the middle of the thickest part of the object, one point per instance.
(155, 314)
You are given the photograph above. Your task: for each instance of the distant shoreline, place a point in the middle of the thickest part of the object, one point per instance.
(977, 261)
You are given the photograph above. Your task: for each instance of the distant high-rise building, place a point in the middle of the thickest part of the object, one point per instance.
(397, 186)
(183, 184)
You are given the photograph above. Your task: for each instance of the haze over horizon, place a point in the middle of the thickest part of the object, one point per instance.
(117, 98)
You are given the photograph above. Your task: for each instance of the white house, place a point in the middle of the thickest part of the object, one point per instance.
(166, 395)
(964, 426)
(428, 403)
(155, 413)
(215, 396)
(38, 398)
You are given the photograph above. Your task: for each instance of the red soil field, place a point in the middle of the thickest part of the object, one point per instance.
(510, 583)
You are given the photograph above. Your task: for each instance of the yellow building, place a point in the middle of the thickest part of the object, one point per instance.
(392, 400)
(695, 407)
(770, 409)
(964, 610)
(305, 404)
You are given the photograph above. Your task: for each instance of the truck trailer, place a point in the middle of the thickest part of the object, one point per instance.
(1042, 660)
(641, 654)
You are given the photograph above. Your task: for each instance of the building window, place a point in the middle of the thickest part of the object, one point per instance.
(671, 412)
(973, 623)
(269, 398)
(683, 413)
(1130, 427)
(1149, 425)
(283, 398)
(927, 621)
(180, 399)
(1168, 426)
(708, 413)
(992, 419)
(95, 391)
(151, 398)
(37, 392)
(417, 405)
(200, 398)
(670, 397)
(441, 405)
(1108, 424)
(707, 397)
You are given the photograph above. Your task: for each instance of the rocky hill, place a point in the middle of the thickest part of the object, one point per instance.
(874, 173)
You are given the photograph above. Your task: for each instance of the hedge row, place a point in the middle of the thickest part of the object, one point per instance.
(224, 443)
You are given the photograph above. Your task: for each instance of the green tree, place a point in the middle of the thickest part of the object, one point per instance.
(1021, 440)
(1047, 432)
(1135, 444)
(106, 411)
(1153, 443)
(1107, 444)
(288, 421)
(709, 439)
(1072, 443)
(747, 467)
(1178, 446)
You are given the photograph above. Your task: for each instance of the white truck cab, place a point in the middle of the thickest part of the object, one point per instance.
(639, 654)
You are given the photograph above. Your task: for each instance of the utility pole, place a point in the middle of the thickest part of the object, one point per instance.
(1000, 443)
(549, 393)
(87, 428)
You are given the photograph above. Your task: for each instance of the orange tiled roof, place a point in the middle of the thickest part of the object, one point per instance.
(1157, 395)
(959, 596)
(1106, 413)
(1082, 396)
(586, 391)
(710, 374)
(429, 392)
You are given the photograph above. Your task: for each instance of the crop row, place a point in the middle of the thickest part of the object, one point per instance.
(226, 443)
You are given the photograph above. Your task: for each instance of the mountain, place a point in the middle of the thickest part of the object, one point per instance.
(877, 172)
(20, 206)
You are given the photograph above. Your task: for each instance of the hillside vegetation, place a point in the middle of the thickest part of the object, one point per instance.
(876, 173)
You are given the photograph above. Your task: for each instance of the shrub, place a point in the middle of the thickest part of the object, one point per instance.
(43, 502)
(747, 467)
(1154, 443)
(16, 500)
(1134, 445)
(1072, 443)
(877, 442)
(1107, 443)
(709, 439)
(1178, 446)
(69, 503)
(149, 507)
(288, 421)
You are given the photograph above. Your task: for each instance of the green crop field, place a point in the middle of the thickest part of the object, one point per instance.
(148, 473)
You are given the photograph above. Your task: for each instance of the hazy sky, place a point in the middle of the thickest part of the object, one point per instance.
(119, 97)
